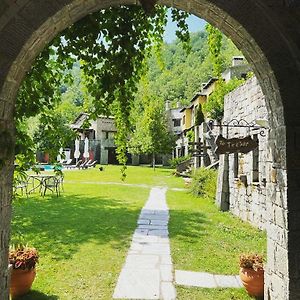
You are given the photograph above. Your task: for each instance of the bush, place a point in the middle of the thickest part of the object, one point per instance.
(204, 183)
(174, 162)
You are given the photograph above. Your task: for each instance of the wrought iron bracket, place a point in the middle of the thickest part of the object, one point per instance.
(235, 123)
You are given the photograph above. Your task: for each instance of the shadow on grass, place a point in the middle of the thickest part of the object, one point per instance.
(188, 226)
(59, 225)
(35, 295)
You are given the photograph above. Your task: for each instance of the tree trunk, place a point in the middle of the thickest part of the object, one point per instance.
(153, 161)
(7, 144)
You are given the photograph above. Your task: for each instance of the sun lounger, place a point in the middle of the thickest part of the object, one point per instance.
(91, 164)
(75, 166)
(82, 166)
(67, 162)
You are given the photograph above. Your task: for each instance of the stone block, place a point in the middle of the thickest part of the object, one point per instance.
(197, 279)
(168, 291)
(138, 284)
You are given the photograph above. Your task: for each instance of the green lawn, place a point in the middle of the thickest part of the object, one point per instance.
(135, 175)
(83, 236)
(204, 239)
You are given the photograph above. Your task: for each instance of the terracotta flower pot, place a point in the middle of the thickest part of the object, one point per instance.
(253, 281)
(21, 281)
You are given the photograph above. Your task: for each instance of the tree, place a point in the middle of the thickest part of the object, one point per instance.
(214, 107)
(215, 45)
(151, 134)
(52, 134)
(112, 46)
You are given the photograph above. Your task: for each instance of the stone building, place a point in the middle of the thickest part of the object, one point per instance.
(243, 178)
(195, 130)
(100, 133)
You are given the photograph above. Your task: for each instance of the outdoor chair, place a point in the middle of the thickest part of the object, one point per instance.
(51, 184)
(21, 186)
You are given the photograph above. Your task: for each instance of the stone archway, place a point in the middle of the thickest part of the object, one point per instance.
(267, 32)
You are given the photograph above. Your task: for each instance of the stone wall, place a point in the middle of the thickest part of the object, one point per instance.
(247, 178)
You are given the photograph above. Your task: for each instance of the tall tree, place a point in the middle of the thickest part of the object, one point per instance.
(151, 134)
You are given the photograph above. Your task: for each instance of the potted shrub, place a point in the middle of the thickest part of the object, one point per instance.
(22, 260)
(252, 274)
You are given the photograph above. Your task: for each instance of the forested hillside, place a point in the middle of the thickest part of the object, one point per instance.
(172, 74)
(176, 76)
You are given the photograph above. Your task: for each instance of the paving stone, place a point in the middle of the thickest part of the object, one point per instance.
(154, 217)
(142, 261)
(138, 284)
(168, 291)
(161, 233)
(148, 239)
(159, 222)
(165, 260)
(166, 273)
(227, 281)
(142, 231)
(197, 279)
(151, 227)
(143, 222)
(136, 246)
(162, 249)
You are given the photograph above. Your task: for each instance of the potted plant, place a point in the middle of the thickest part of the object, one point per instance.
(252, 274)
(22, 260)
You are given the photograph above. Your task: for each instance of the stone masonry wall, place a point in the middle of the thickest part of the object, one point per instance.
(247, 188)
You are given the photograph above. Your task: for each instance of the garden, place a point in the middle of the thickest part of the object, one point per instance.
(83, 235)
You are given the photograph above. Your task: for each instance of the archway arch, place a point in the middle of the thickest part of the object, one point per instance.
(268, 35)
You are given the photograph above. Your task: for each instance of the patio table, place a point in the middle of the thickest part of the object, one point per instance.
(39, 181)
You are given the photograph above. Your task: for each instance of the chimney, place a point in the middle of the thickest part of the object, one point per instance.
(238, 60)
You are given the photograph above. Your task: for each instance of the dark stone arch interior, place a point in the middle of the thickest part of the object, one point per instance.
(267, 32)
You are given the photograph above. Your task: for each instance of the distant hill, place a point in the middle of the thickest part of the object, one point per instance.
(176, 76)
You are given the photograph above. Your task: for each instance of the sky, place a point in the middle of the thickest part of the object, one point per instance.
(194, 23)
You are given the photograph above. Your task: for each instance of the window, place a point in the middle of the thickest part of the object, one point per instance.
(183, 120)
(176, 122)
(255, 161)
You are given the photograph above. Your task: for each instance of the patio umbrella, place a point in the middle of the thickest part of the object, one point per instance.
(86, 153)
(59, 156)
(76, 152)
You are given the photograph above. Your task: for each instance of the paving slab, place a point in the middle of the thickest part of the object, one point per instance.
(168, 291)
(197, 279)
(138, 284)
(207, 280)
(228, 281)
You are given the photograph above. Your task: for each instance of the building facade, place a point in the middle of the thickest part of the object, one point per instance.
(100, 133)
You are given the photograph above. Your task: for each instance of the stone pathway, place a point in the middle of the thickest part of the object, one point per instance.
(148, 270)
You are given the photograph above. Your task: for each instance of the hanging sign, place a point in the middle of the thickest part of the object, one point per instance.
(243, 145)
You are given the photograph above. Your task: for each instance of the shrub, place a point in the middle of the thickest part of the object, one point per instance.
(174, 162)
(204, 183)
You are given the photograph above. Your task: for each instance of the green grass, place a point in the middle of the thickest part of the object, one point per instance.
(211, 294)
(203, 239)
(135, 175)
(83, 236)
